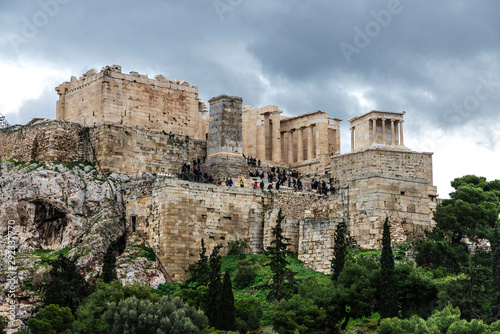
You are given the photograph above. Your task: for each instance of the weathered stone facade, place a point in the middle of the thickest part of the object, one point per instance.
(133, 100)
(44, 141)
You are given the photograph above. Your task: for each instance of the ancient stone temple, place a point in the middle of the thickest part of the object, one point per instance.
(269, 136)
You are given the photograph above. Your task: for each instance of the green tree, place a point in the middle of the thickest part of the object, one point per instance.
(387, 289)
(51, 319)
(495, 278)
(443, 319)
(214, 288)
(169, 315)
(414, 325)
(298, 315)
(66, 287)
(249, 314)
(226, 313)
(200, 271)
(339, 250)
(4, 322)
(89, 315)
(245, 274)
(471, 212)
(109, 266)
(284, 284)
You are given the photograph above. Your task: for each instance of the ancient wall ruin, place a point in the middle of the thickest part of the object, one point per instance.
(44, 141)
(130, 151)
(133, 100)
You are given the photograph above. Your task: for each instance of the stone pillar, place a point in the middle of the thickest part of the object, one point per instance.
(290, 146)
(276, 142)
(310, 153)
(401, 141)
(267, 138)
(374, 126)
(260, 140)
(383, 130)
(225, 140)
(392, 132)
(352, 139)
(300, 143)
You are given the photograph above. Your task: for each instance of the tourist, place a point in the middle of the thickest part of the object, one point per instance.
(258, 163)
(230, 182)
(261, 185)
(278, 185)
(241, 183)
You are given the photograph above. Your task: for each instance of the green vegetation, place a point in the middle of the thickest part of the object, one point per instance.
(148, 252)
(52, 319)
(109, 266)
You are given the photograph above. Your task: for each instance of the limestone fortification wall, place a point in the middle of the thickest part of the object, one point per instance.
(48, 141)
(133, 100)
(396, 164)
(175, 215)
(118, 149)
(129, 150)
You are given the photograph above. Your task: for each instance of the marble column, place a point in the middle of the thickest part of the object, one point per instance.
(383, 131)
(276, 142)
(300, 145)
(374, 126)
(310, 153)
(260, 141)
(352, 139)
(267, 138)
(401, 141)
(392, 132)
(290, 146)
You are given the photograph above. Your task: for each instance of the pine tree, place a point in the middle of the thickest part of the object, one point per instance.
(109, 266)
(495, 256)
(214, 287)
(339, 250)
(67, 287)
(284, 284)
(388, 306)
(226, 313)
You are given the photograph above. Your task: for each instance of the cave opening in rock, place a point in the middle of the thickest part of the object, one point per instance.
(50, 224)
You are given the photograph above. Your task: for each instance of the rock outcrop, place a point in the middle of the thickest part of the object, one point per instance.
(53, 208)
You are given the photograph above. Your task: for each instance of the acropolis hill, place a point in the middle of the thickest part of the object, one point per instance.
(148, 128)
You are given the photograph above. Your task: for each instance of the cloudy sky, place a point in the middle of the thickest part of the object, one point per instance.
(437, 60)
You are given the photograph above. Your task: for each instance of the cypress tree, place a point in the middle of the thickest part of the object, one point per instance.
(201, 273)
(495, 254)
(387, 288)
(339, 250)
(227, 312)
(284, 284)
(67, 287)
(109, 266)
(214, 288)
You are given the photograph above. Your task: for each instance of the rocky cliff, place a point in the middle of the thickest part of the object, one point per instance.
(48, 209)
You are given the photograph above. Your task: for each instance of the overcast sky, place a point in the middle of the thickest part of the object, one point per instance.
(437, 60)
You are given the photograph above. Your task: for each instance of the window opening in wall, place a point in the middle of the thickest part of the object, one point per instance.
(402, 193)
(134, 221)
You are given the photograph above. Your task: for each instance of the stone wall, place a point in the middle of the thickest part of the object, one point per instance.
(133, 100)
(47, 141)
(129, 150)
(175, 215)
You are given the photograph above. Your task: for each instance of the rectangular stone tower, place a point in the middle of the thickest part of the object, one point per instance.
(225, 140)
(133, 100)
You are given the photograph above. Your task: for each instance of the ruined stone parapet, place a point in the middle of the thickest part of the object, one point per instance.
(134, 100)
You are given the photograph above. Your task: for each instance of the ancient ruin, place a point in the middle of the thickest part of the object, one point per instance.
(148, 128)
